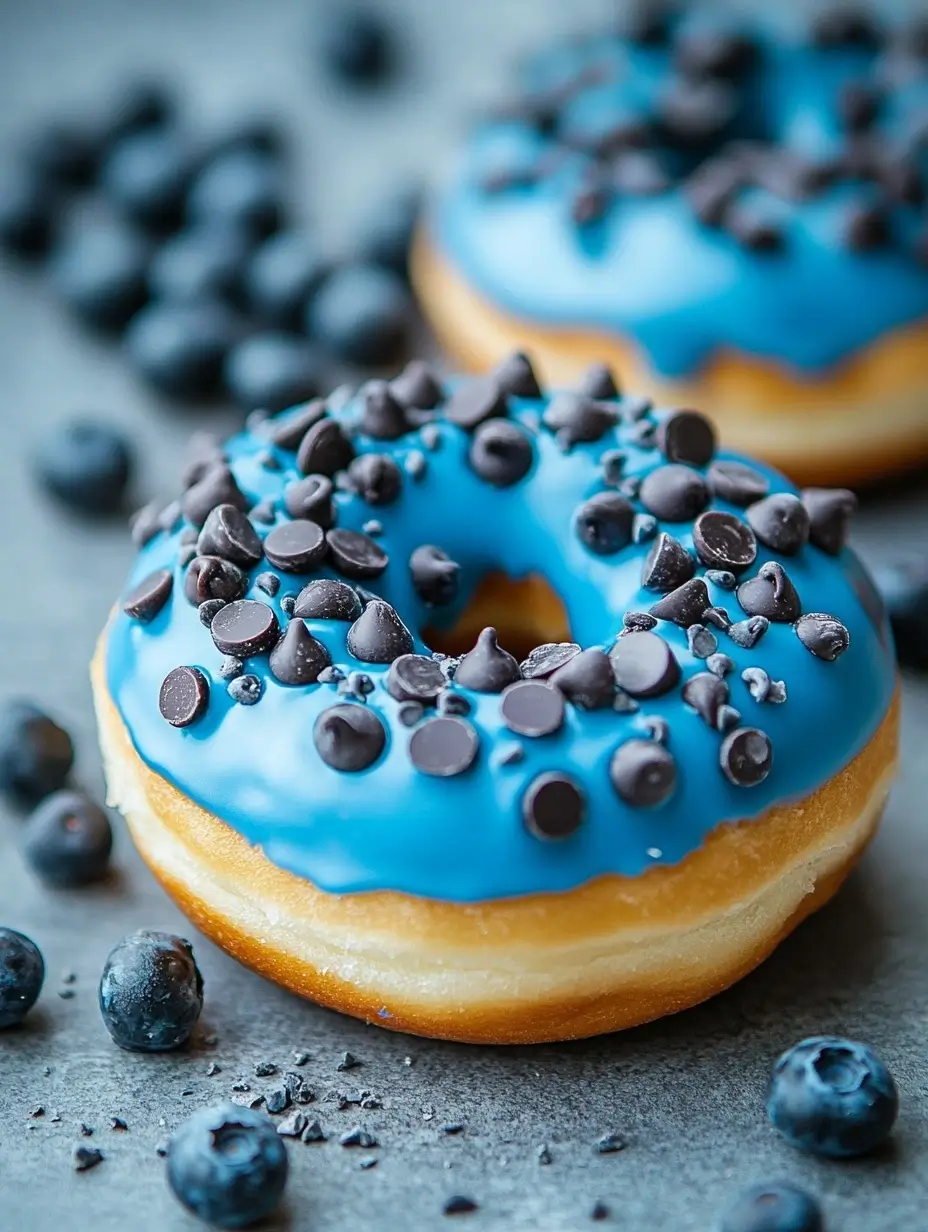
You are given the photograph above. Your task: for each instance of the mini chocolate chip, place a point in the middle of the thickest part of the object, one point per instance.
(613, 464)
(383, 417)
(701, 641)
(746, 756)
(723, 541)
(327, 599)
(687, 436)
(644, 528)
(712, 188)
(475, 401)
(714, 53)
(728, 719)
(696, 113)
(296, 547)
(349, 737)
(674, 493)
(667, 565)
(355, 555)
(643, 773)
(216, 487)
(435, 575)
(184, 696)
(826, 637)
(644, 435)
(718, 617)
(415, 464)
(311, 498)
(706, 693)
(545, 660)
(737, 483)
(858, 105)
(263, 512)
(324, 449)
(723, 578)
(637, 622)
(208, 609)
(146, 598)
(331, 675)
(415, 677)
(515, 375)
(269, 462)
(487, 668)
(417, 386)
(411, 713)
(244, 627)
(376, 478)
(720, 664)
(644, 665)
(532, 708)
(500, 453)
(587, 680)
(577, 419)
(684, 606)
(298, 657)
(230, 667)
(228, 533)
(443, 747)
(378, 635)
(747, 633)
(630, 487)
(357, 685)
(830, 511)
(268, 582)
(866, 228)
(781, 522)
(604, 523)
(754, 229)
(553, 807)
(290, 430)
(598, 381)
(770, 594)
(211, 577)
(846, 25)
(246, 690)
(453, 703)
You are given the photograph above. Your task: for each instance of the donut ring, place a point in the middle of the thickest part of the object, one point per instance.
(468, 846)
(772, 266)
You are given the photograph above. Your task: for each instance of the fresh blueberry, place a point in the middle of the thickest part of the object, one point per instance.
(228, 1165)
(68, 840)
(832, 1097)
(778, 1207)
(135, 108)
(361, 314)
(272, 371)
(357, 46)
(904, 587)
(147, 176)
(36, 754)
(282, 275)
(200, 263)
(61, 153)
(101, 273)
(241, 188)
(151, 992)
(87, 465)
(180, 349)
(387, 238)
(27, 212)
(22, 973)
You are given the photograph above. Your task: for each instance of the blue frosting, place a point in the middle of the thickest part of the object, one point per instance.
(649, 270)
(462, 839)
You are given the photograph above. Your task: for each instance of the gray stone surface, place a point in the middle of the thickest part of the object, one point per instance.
(686, 1092)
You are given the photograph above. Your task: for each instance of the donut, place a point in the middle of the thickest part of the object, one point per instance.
(733, 217)
(496, 714)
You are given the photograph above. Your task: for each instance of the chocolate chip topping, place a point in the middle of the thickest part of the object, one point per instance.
(384, 416)
(327, 599)
(722, 578)
(637, 622)
(146, 598)
(830, 511)
(244, 627)
(324, 449)
(781, 522)
(349, 737)
(203, 452)
(599, 382)
(376, 478)
(378, 635)
(723, 541)
(415, 678)
(227, 532)
(686, 605)
(417, 386)
(532, 708)
(687, 436)
(501, 452)
(296, 547)
(674, 493)
(746, 756)
(298, 657)
(770, 594)
(435, 575)
(443, 747)
(553, 807)
(545, 660)
(587, 680)
(644, 665)
(747, 633)
(216, 487)
(311, 498)
(268, 582)
(515, 375)
(476, 401)
(706, 693)
(737, 483)
(184, 696)
(288, 433)
(576, 418)
(604, 523)
(667, 565)
(826, 637)
(211, 577)
(208, 609)
(643, 773)
(356, 555)
(487, 668)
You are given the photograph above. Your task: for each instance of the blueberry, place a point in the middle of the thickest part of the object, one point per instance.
(27, 212)
(101, 273)
(239, 188)
(36, 754)
(361, 314)
(135, 108)
(151, 992)
(832, 1097)
(281, 276)
(68, 840)
(87, 465)
(387, 238)
(356, 45)
(61, 153)
(258, 134)
(180, 349)
(272, 371)
(779, 1207)
(147, 176)
(22, 972)
(228, 1165)
(200, 263)
(904, 587)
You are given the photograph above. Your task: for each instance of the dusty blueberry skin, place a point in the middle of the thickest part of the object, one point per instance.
(36, 754)
(778, 1207)
(228, 1165)
(904, 587)
(22, 973)
(151, 992)
(832, 1097)
(362, 314)
(68, 840)
(86, 465)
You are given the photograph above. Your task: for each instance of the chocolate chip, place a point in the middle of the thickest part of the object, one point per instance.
(674, 493)
(349, 737)
(643, 773)
(216, 487)
(415, 677)
(770, 594)
(714, 53)
(515, 375)
(637, 622)
(587, 680)
(532, 708)
(746, 756)
(846, 25)
(376, 478)
(576, 418)
(830, 511)
(823, 635)
(604, 523)
(291, 429)
(228, 533)
(755, 229)
(866, 228)
(701, 641)
(146, 598)
(211, 577)
(443, 747)
(599, 382)
(268, 582)
(722, 578)
(723, 541)
(781, 522)
(311, 498)
(721, 664)
(458, 1204)
(184, 696)
(378, 635)
(435, 575)
(706, 693)
(553, 807)
(684, 606)
(644, 528)
(324, 449)
(204, 451)
(545, 660)
(589, 204)
(639, 173)
(230, 667)
(858, 105)
(501, 452)
(453, 703)
(298, 657)
(687, 436)
(487, 668)
(355, 555)
(269, 462)
(712, 188)
(613, 464)
(644, 665)
(695, 113)
(296, 547)
(327, 599)
(244, 627)
(145, 523)
(417, 386)
(667, 565)
(263, 512)
(737, 483)
(411, 713)
(246, 690)
(208, 609)
(747, 633)
(475, 401)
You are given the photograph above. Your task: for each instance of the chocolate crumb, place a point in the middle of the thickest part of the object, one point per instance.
(314, 1133)
(609, 1144)
(459, 1205)
(358, 1137)
(542, 1154)
(264, 1069)
(85, 1157)
(348, 1061)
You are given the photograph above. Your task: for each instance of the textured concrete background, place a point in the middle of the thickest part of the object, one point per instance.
(687, 1092)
